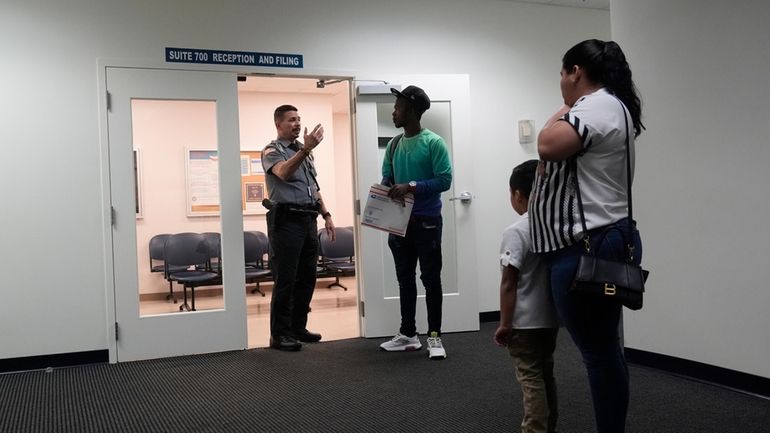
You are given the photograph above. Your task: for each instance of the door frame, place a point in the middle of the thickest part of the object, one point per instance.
(104, 161)
(463, 180)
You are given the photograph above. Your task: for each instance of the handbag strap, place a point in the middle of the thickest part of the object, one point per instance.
(629, 239)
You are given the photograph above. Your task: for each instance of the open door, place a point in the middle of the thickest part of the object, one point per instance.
(449, 116)
(180, 107)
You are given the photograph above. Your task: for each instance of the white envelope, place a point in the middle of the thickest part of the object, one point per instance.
(383, 213)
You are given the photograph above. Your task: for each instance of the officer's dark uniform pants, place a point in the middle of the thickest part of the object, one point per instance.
(294, 244)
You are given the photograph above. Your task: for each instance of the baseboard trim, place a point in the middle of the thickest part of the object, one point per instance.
(489, 316)
(736, 380)
(732, 379)
(57, 360)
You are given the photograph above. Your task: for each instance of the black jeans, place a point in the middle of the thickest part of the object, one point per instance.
(294, 254)
(422, 242)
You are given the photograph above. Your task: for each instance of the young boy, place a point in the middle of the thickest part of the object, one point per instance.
(528, 324)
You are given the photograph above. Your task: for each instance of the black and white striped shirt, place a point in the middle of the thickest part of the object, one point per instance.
(601, 170)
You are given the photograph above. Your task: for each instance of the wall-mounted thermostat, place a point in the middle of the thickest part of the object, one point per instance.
(526, 131)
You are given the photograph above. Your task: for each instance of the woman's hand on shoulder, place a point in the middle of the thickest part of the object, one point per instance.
(558, 140)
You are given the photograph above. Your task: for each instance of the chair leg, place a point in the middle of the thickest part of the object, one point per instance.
(185, 306)
(336, 283)
(257, 289)
(192, 296)
(170, 295)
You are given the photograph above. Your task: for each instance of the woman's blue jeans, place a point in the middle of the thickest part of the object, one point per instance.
(593, 324)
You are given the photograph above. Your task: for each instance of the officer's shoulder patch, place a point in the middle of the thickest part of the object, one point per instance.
(269, 150)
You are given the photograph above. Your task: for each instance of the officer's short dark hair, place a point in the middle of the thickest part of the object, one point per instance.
(523, 176)
(280, 111)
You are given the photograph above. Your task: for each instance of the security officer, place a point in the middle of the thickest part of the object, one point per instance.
(295, 204)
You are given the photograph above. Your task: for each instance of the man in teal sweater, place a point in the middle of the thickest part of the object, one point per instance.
(417, 162)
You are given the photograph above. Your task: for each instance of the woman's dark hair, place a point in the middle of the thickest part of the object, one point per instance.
(523, 176)
(605, 63)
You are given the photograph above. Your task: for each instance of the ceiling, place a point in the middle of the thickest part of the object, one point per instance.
(590, 4)
(338, 91)
(289, 85)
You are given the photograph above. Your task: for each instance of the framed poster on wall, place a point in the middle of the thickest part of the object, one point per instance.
(202, 171)
(254, 193)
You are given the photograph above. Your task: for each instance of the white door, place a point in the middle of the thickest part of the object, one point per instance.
(183, 109)
(449, 116)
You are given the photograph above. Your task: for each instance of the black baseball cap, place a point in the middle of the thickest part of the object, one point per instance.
(415, 95)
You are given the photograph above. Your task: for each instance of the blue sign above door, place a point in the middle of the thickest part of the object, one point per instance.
(244, 58)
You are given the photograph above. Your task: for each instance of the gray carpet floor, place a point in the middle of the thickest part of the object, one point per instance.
(349, 386)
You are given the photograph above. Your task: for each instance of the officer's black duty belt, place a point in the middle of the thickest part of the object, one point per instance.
(300, 209)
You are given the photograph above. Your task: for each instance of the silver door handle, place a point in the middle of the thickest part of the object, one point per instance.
(465, 197)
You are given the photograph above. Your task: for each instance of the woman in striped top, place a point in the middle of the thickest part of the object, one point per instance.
(583, 156)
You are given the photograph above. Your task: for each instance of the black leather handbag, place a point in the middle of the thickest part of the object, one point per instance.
(621, 281)
(618, 280)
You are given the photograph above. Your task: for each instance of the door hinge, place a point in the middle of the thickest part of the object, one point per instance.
(117, 333)
(362, 309)
(358, 207)
(112, 216)
(109, 101)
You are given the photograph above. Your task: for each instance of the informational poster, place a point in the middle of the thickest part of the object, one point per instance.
(203, 182)
(245, 171)
(256, 166)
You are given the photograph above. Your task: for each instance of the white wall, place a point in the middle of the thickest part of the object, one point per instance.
(702, 195)
(50, 133)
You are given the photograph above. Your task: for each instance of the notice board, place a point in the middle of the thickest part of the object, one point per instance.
(202, 172)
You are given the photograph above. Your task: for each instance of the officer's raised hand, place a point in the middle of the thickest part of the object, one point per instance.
(314, 137)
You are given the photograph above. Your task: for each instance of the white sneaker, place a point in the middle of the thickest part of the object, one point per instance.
(402, 343)
(435, 348)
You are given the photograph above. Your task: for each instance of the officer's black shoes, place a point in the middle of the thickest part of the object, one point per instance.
(285, 343)
(306, 336)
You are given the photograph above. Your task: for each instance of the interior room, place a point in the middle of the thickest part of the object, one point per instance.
(177, 191)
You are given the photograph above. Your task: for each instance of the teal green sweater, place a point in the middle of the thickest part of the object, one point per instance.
(424, 159)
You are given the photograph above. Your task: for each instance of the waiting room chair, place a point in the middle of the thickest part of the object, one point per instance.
(156, 254)
(265, 245)
(254, 250)
(337, 257)
(188, 250)
(214, 242)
